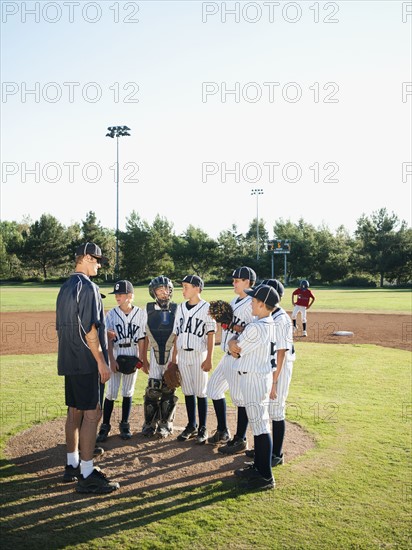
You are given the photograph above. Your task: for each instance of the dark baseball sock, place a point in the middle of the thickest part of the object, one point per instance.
(202, 408)
(294, 322)
(107, 411)
(278, 431)
(263, 455)
(304, 326)
(126, 408)
(242, 422)
(190, 402)
(220, 410)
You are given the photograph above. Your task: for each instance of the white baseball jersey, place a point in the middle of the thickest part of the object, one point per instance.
(254, 366)
(129, 330)
(284, 340)
(242, 315)
(192, 326)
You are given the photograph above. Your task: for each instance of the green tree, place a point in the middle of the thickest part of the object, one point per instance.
(134, 247)
(378, 247)
(194, 252)
(333, 253)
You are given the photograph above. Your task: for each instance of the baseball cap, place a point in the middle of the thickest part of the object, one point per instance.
(265, 293)
(123, 287)
(244, 272)
(194, 280)
(93, 250)
(277, 285)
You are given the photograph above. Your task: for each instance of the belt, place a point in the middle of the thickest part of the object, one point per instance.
(188, 349)
(241, 372)
(125, 345)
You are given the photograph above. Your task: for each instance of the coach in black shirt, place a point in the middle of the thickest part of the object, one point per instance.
(83, 361)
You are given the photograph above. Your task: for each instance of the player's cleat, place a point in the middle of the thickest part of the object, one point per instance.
(247, 471)
(277, 460)
(250, 453)
(162, 432)
(201, 435)
(125, 432)
(71, 473)
(220, 436)
(234, 446)
(98, 451)
(304, 333)
(96, 483)
(103, 433)
(257, 483)
(188, 433)
(148, 431)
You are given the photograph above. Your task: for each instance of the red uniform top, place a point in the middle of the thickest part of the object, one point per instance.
(304, 295)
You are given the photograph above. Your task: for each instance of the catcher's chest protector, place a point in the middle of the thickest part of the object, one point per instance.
(159, 330)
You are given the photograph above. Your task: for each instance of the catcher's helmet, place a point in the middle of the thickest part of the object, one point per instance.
(156, 283)
(245, 272)
(304, 284)
(277, 285)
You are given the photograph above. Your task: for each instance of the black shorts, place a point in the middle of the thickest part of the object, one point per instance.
(83, 391)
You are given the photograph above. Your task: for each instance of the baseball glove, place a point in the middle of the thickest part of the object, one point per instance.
(221, 312)
(128, 364)
(172, 377)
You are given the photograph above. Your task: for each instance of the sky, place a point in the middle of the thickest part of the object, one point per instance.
(309, 102)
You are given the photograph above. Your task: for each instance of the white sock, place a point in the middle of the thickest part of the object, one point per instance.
(73, 459)
(86, 467)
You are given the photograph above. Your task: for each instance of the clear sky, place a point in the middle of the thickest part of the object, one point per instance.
(308, 101)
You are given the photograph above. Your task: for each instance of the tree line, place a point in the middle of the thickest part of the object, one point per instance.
(379, 251)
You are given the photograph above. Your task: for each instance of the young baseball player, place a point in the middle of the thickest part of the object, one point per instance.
(125, 325)
(83, 361)
(224, 377)
(284, 358)
(193, 351)
(302, 300)
(159, 400)
(253, 362)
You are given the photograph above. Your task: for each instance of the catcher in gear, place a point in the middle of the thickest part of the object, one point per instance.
(160, 400)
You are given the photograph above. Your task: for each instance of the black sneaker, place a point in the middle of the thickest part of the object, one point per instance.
(148, 430)
(162, 432)
(277, 460)
(96, 483)
(257, 483)
(103, 433)
(188, 432)
(125, 432)
(220, 436)
(234, 446)
(98, 451)
(250, 453)
(247, 472)
(201, 435)
(71, 473)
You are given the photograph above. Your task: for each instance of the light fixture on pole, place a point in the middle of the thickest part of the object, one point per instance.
(257, 192)
(116, 132)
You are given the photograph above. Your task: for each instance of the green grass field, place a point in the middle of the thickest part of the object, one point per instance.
(41, 298)
(352, 491)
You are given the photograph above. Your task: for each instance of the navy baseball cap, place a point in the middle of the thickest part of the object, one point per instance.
(93, 250)
(244, 272)
(277, 285)
(266, 294)
(123, 287)
(194, 280)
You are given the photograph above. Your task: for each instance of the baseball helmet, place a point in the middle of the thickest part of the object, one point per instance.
(158, 282)
(277, 285)
(245, 272)
(304, 284)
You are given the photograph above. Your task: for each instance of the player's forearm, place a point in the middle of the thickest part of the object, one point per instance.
(142, 349)
(92, 339)
(280, 361)
(210, 346)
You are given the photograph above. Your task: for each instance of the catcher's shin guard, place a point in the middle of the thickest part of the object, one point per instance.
(167, 412)
(151, 406)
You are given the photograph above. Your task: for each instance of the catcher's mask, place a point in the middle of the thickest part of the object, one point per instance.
(245, 272)
(158, 282)
(304, 284)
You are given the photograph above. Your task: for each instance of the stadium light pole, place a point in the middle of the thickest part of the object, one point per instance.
(257, 192)
(116, 132)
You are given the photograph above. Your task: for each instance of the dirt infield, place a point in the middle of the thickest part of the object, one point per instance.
(32, 333)
(145, 464)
